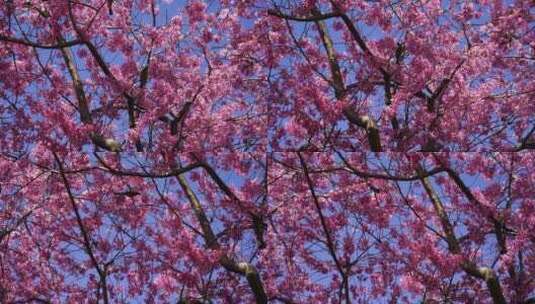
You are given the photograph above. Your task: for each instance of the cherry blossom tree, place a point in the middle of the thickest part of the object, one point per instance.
(267, 151)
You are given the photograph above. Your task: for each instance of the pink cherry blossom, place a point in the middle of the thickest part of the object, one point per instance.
(267, 151)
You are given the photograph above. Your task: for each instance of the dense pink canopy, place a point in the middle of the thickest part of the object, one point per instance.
(267, 151)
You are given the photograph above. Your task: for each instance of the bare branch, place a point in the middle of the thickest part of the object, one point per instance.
(26, 42)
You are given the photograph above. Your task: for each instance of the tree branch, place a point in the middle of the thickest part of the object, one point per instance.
(171, 173)
(241, 268)
(484, 273)
(314, 18)
(85, 234)
(98, 140)
(365, 122)
(26, 42)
